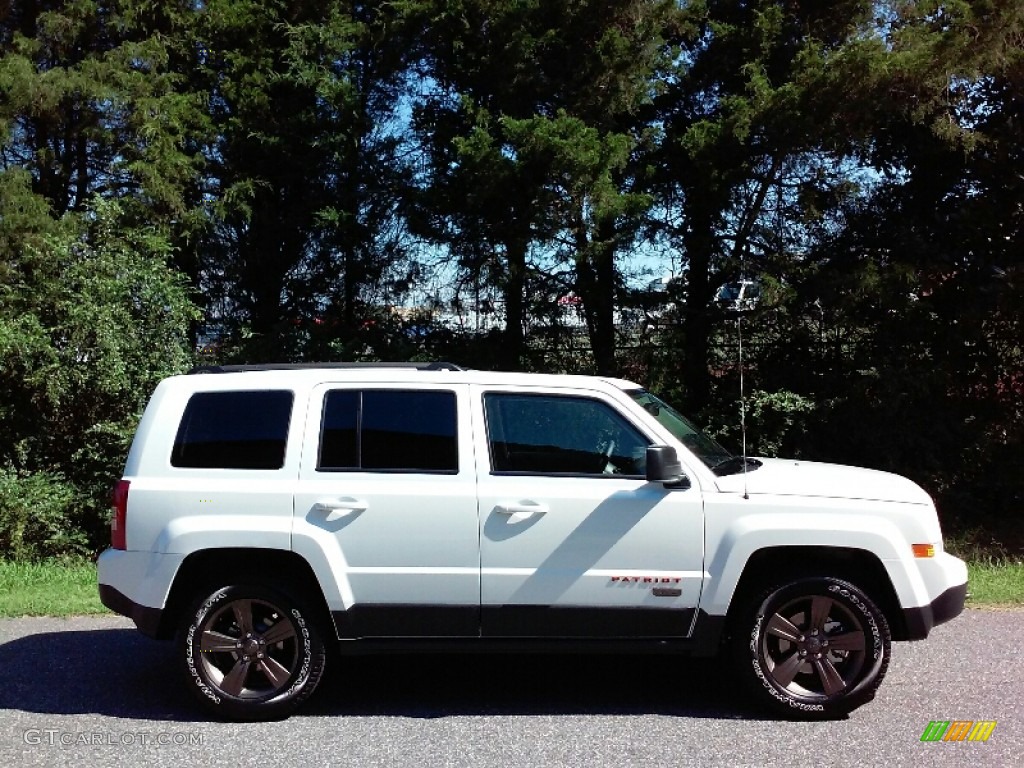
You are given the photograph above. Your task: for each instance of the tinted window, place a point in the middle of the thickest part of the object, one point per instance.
(339, 445)
(233, 430)
(707, 450)
(548, 434)
(389, 430)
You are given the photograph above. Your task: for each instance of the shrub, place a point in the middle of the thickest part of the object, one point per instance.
(35, 517)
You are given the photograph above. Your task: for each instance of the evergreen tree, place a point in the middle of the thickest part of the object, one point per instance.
(530, 130)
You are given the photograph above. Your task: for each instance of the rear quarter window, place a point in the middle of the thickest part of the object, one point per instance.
(234, 430)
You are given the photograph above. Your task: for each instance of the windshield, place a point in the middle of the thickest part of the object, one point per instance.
(706, 449)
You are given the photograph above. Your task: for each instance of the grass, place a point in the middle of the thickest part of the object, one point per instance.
(994, 553)
(49, 589)
(995, 583)
(69, 588)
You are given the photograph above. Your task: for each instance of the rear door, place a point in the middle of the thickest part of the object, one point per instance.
(387, 505)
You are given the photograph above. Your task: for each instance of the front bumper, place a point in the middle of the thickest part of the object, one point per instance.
(948, 605)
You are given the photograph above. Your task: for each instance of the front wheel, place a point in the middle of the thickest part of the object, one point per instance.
(250, 653)
(813, 648)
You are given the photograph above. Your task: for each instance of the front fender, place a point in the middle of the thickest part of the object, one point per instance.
(736, 538)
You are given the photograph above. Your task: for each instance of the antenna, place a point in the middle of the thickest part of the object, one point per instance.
(743, 405)
(739, 333)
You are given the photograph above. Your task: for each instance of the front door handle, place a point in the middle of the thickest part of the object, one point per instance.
(335, 509)
(521, 510)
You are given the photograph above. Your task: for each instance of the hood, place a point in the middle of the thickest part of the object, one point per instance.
(787, 477)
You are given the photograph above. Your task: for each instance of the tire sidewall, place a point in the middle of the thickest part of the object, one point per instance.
(875, 661)
(301, 682)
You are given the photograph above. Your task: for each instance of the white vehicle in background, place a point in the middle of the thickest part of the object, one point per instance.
(739, 295)
(268, 514)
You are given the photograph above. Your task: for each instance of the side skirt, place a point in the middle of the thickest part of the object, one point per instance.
(358, 633)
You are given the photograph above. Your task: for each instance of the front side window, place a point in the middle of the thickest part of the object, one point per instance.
(234, 430)
(389, 430)
(554, 434)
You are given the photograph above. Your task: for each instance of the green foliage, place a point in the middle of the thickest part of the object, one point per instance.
(538, 110)
(98, 174)
(37, 517)
(777, 423)
(307, 171)
(91, 317)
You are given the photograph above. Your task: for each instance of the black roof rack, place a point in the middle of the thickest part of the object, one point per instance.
(436, 366)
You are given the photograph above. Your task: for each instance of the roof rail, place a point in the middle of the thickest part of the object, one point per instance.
(435, 366)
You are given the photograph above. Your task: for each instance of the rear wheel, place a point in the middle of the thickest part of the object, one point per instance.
(250, 653)
(813, 648)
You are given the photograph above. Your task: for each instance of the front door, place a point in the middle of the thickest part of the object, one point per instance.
(574, 541)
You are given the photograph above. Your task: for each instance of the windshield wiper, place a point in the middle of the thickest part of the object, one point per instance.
(735, 464)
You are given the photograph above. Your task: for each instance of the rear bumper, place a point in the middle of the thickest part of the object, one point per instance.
(146, 619)
(136, 585)
(948, 605)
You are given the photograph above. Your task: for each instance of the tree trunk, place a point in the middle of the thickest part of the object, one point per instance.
(509, 357)
(700, 246)
(602, 299)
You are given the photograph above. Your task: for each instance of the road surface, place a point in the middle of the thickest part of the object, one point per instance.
(93, 692)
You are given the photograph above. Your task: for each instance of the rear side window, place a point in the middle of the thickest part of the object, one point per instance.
(389, 431)
(234, 430)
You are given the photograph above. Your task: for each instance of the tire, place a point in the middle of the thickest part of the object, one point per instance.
(250, 653)
(813, 648)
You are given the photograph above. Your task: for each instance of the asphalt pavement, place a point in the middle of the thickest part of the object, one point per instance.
(93, 692)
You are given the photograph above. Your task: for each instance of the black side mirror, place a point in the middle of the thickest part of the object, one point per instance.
(663, 465)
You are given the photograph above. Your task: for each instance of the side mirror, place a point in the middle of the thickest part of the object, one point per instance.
(663, 465)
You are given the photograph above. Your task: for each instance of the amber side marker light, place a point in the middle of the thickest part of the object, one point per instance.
(923, 550)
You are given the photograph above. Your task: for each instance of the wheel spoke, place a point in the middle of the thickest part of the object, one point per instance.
(216, 642)
(283, 630)
(831, 680)
(243, 615)
(786, 670)
(275, 672)
(848, 641)
(820, 607)
(784, 628)
(234, 680)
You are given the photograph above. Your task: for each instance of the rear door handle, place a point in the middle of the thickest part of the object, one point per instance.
(521, 510)
(335, 509)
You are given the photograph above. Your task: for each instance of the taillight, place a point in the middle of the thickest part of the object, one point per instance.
(119, 508)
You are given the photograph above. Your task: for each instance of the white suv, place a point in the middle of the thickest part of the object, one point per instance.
(268, 513)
